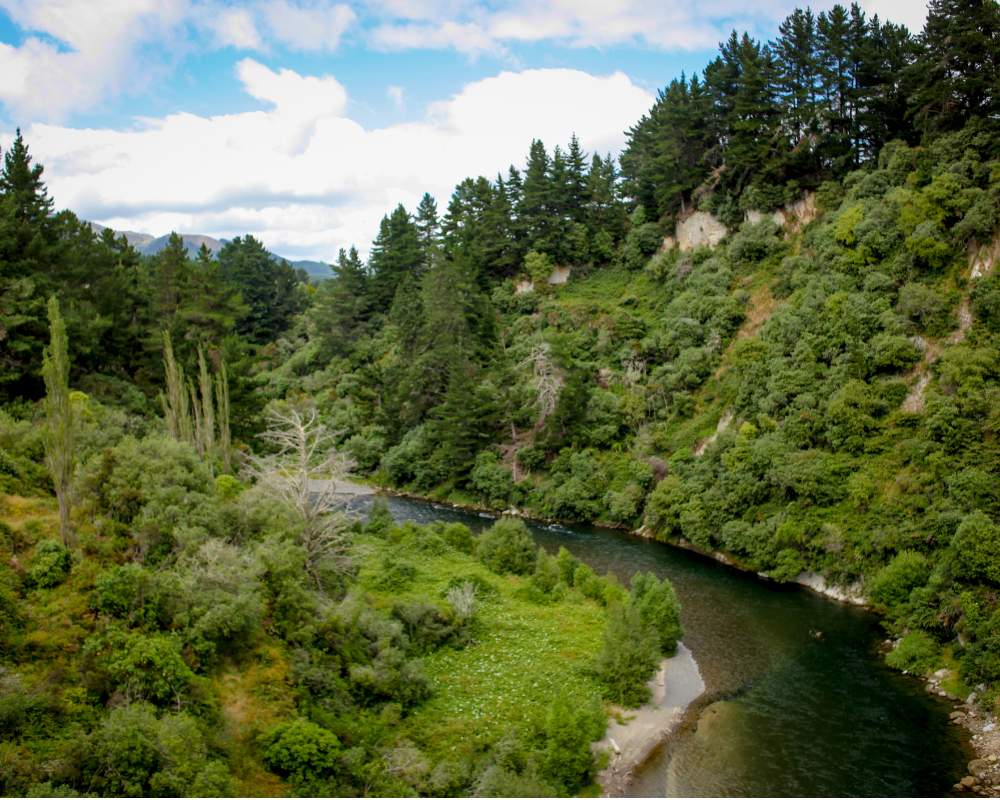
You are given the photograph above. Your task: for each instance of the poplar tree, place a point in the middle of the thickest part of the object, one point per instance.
(59, 434)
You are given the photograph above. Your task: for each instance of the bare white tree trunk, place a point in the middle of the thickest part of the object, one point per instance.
(302, 476)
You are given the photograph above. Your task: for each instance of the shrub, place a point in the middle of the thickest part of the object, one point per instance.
(380, 519)
(977, 545)
(894, 582)
(140, 667)
(567, 563)
(629, 657)
(301, 751)
(128, 592)
(507, 547)
(227, 488)
(456, 535)
(658, 608)
(569, 730)
(916, 652)
(546, 571)
(51, 565)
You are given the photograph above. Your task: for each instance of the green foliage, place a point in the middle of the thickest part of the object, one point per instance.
(506, 546)
(141, 667)
(658, 608)
(302, 752)
(977, 547)
(129, 592)
(894, 582)
(569, 730)
(916, 652)
(51, 565)
(629, 657)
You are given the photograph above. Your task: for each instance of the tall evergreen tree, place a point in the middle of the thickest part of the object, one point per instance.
(396, 253)
(342, 311)
(29, 250)
(958, 71)
(268, 288)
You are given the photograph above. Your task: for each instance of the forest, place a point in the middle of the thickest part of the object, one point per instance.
(816, 389)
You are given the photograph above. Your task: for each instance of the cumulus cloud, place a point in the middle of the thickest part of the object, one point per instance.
(79, 53)
(305, 177)
(911, 13)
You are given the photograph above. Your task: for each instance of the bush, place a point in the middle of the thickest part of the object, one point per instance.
(301, 751)
(894, 582)
(569, 730)
(546, 571)
(456, 535)
(629, 657)
(658, 608)
(380, 519)
(128, 592)
(567, 563)
(51, 565)
(507, 547)
(140, 667)
(977, 546)
(916, 652)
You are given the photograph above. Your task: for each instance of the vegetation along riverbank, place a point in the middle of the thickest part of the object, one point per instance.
(770, 330)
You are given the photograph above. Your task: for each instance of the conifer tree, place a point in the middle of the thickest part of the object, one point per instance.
(396, 253)
(342, 311)
(29, 251)
(428, 224)
(958, 71)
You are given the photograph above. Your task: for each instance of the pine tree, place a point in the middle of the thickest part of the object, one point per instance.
(396, 253)
(958, 71)
(428, 225)
(211, 307)
(269, 289)
(29, 252)
(795, 53)
(835, 55)
(342, 311)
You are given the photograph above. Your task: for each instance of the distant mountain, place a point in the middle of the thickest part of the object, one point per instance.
(150, 245)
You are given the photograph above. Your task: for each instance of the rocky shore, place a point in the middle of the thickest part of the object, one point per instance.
(676, 685)
(984, 771)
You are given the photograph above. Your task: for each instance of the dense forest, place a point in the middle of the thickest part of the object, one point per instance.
(816, 390)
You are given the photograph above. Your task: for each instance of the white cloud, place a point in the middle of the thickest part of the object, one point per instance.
(304, 177)
(911, 13)
(79, 53)
(314, 26)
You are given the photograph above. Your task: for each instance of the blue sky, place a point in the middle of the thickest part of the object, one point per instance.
(303, 121)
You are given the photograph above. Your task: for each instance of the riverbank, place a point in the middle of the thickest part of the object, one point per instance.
(676, 685)
(810, 580)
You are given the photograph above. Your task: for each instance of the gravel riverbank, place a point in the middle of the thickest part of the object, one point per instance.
(676, 685)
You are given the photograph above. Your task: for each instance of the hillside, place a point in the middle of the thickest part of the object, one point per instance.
(770, 331)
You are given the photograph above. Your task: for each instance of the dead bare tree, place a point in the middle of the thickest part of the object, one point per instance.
(303, 477)
(546, 380)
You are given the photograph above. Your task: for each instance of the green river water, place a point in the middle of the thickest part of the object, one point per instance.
(784, 713)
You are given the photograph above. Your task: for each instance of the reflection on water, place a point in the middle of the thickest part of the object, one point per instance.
(784, 713)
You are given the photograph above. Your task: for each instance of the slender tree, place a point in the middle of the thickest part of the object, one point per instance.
(59, 434)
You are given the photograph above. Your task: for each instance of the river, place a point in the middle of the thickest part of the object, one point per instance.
(784, 713)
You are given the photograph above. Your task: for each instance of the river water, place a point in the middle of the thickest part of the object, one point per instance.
(785, 713)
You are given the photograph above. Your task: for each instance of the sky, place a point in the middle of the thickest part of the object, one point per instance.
(303, 122)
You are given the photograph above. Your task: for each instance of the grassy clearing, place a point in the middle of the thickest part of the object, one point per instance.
(523, 654)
